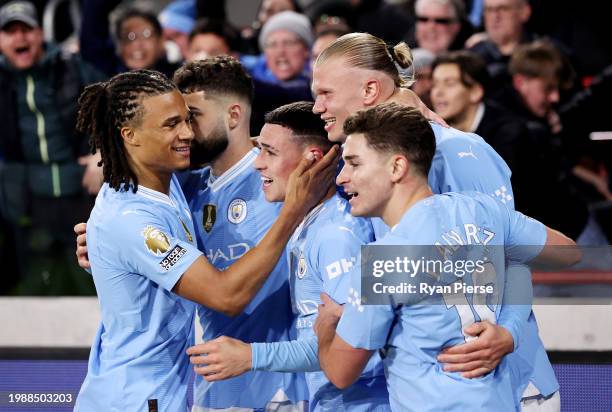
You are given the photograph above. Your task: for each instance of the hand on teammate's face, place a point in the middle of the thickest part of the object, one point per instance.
(311, 180)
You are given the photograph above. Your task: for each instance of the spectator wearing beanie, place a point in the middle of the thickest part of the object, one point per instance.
(177, 21)
(286, 39)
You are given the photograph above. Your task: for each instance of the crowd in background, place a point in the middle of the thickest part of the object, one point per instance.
(531, 78)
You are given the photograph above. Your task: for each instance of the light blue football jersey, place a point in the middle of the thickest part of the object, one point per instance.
(465, 162)
(231, 216)
(322, 252)
(413, 335)
(139, 245)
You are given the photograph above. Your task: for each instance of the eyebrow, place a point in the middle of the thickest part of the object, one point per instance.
(194, 109)
(171, 120)
(267, 147)
(350, 157)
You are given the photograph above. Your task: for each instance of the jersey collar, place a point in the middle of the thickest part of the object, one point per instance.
(243, 164)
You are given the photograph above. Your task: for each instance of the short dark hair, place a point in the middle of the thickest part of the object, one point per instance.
(392, 128)
(130, 13)
(218, 27)
(307, 126)
(542, 59)
(219, 75)
(472, 67)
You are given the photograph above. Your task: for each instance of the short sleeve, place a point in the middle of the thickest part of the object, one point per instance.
(145, 245)
(337, 253)
(364, 326)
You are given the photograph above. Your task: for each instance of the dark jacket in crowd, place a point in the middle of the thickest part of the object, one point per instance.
(544, 186)
(40, 133)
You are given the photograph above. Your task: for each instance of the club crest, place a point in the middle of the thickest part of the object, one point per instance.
(155, 240)
(209, 216)
(237, 211)
(301, 270)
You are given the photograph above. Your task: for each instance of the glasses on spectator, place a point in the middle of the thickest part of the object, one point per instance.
(438, 20)
(133, 36)
(285, 44)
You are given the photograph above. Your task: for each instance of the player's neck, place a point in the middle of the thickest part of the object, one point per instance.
(402, 199)
(158, 182)
(238, 146)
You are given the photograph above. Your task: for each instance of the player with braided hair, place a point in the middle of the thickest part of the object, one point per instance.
(143, 255)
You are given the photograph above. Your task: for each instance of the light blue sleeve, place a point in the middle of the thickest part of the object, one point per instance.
(144, 243)
(288, 356)
(516, 307)
(364, 326)
(525, 237)
(336, 251)
(467, 163)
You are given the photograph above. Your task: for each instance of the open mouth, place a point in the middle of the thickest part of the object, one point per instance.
(351, 195)
(183, 150)
(266, 181)
(282, 64)
(329, 123)
(22, 50)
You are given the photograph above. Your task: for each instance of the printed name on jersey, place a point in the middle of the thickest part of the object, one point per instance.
(339, 267)
(209, 216)
(187, 233)
(237, 211)
(228, 254)
(155, 240)
(171, 258)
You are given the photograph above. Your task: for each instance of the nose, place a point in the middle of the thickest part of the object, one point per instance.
(318, 106)
(186, 132)
(342, 177)
(258, 164)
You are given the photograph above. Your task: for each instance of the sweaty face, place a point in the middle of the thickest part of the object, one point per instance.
(207, 45)
(504, 19)
(365, 177)
(21, 44)
(336, 95)
(449, 96)
(139, 45)
(436, 27)
(279, 156)
(163, 135)
(539, 95)
(208, 126)
(286, 55)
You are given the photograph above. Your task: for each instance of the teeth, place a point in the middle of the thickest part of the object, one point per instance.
(137, 54)
(330, 121)
(266, 180)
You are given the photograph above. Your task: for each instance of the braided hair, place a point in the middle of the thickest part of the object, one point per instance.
(106, 107)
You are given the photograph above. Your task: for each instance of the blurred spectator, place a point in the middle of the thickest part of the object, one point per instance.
(267, 9)
(286, 39)
(380, 18)
(136, 43)
(504, 22)
(328, 29)
(441, 25)
(212, 38)
(460, 82)
(538, 72)
(177, 20)
(421, 65)
(41, 192)
(282, 74)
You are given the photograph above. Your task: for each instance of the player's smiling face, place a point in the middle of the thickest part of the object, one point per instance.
(209, 127)
(280, 154)
(160, 141)
(336, 95)
(365, 177)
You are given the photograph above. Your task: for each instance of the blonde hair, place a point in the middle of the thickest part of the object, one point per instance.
(366, 51)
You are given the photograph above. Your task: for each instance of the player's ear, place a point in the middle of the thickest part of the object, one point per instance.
(371, 92)
(476, 93)
(128, 136)
(400, 167)
(316, 152)
(234, 114)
